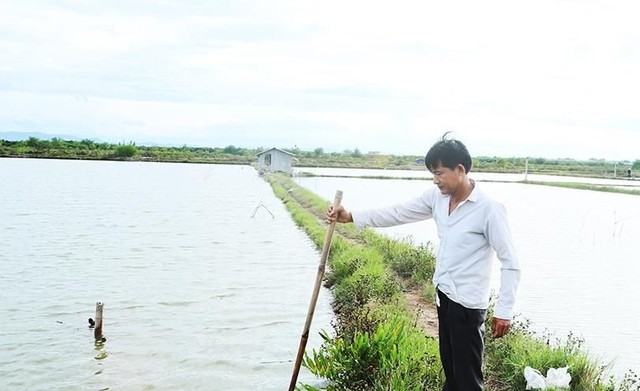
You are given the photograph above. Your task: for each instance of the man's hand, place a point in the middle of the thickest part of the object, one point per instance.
(339, 214)
(500, 327)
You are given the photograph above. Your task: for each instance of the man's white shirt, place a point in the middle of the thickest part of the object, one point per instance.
(469, 238)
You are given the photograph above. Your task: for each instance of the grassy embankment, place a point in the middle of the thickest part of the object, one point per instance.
(376, 344)
(586, 186)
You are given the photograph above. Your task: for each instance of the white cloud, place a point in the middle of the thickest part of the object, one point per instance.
(511, 77)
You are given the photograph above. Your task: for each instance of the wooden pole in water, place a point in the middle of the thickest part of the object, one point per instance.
(97, 333)
(314, 297)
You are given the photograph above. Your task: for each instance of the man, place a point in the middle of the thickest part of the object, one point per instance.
(472, 229)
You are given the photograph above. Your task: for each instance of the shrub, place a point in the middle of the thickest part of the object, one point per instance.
(506, 358)
(125, 151)
(395, 356)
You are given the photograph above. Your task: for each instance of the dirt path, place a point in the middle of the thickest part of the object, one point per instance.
(425, 311)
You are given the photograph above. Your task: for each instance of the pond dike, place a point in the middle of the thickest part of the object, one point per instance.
(385, 329)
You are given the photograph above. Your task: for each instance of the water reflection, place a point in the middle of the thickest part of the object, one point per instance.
(101, 352)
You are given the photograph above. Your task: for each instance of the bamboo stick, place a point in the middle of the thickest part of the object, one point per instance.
(314, 297)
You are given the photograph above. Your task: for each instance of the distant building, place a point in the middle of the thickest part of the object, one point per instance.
(274, 160)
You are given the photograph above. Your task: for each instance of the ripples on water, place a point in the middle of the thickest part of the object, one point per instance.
(198, 295)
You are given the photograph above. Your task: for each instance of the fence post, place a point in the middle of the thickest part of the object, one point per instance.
(98, 326)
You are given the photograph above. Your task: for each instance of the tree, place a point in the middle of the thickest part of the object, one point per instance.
(636, 165)
(36, 143)
(87, 143)
(33, 142)
(233, 150)
(126, 151)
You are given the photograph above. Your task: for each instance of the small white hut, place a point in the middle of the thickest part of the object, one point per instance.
(273, 160)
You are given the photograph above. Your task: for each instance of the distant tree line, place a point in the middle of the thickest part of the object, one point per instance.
(351, 158)
(87, 149)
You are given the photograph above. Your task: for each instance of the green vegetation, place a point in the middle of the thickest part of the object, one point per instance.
(125, 151)
(349, 158)
(506, 359)
(393, 356)
(90, 150)
(376, 344)
(598, 168)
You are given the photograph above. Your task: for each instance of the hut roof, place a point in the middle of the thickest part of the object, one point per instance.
(275, 149)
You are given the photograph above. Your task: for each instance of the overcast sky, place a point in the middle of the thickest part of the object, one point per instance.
(510, 78)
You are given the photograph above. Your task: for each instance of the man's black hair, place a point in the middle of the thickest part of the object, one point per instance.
(448, 152)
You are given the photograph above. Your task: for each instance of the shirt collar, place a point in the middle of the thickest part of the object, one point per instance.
(475, 192)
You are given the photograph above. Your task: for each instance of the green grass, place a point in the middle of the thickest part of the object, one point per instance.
(507, 357)
(395, 356)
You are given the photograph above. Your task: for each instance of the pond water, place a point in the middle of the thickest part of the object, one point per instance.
(203, 288)
(578, 250)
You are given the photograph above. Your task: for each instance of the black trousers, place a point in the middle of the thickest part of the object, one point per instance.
(461, 337)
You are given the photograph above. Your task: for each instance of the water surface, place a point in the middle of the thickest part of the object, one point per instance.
(199, 295)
